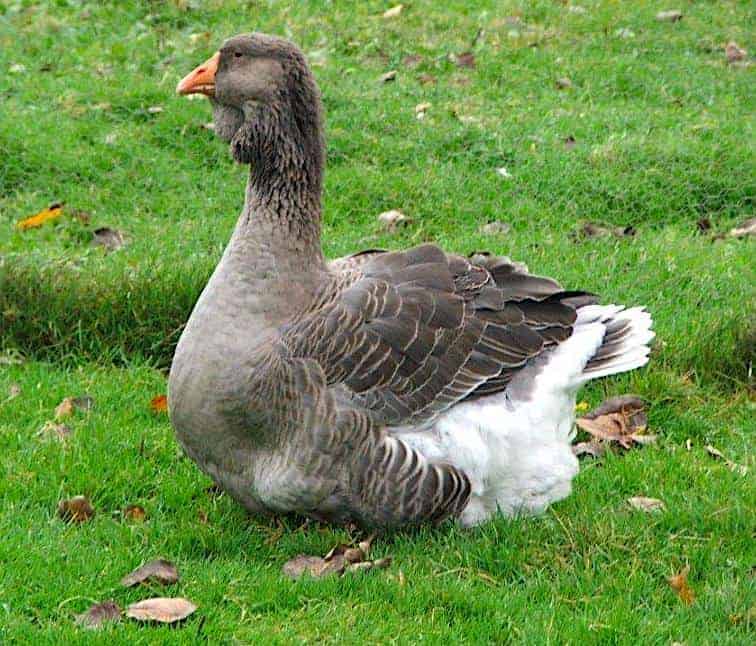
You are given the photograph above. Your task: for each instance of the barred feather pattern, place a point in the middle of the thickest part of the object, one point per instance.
(395, 339)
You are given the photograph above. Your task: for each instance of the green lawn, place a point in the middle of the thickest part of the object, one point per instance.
(663, 130)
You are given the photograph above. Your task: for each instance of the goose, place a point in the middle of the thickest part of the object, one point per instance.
(386, 389)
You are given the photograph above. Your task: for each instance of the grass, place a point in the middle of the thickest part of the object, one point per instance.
(663, 132)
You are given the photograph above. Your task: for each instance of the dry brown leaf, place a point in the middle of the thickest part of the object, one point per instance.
(495, 228)
(362, 566)
(52, 212)
(593, 230)
(672, 15)
(388, 76)
(421, 109)
(427, 79)
(747, 228)
(563, 83)
(641, 503)
(158, 571)
(315, 566)
(14, 391)
(391, 220)
(704, 225)
(679, 583)
(159, 404)
(77, 509)
(110, 239)
(732, 466)
(52, 431)
(413, 60)
(393, 12)
(135, 513)
(621, 420)
(734, 53)
(165, 610)
(340, 559)
(465, 59)
(71, 404)
(99, 614)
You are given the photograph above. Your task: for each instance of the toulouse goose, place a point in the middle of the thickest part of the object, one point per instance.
(386, 388)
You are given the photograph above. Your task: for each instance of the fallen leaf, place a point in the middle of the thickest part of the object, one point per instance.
(593, 449)
(734, 53)
(421, 109)
(732, 466)
(81, 216)
(641, 503)
(495, 228)
(704, 225)
(465, 59)
(503, 172)
(593, 230)
(155, 109)
(134, 513)
(159, 404)
(59, 432)
(427, 79)
(362, 566)
(208, 126)
(672, 15)
(202, 35)
(304, 564)
(563, 83)
(158, 571)
(388, 76)
(679, 583)
(342, 558)
(393, 12)
(621, 420)
(413, 60)
(64, 409)
(38, 219)
(14, 391)
(77, 509)
(71, 404)
(202, 516)
(111, 239)
(162, 609)
(747, 228)
(391, 220)
(99, 614)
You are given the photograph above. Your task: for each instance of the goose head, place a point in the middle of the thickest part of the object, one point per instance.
(265, 100)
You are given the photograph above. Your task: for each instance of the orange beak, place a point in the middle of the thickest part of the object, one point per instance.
(201, 80)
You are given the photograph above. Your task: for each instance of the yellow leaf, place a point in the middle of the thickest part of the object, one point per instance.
(37, 220)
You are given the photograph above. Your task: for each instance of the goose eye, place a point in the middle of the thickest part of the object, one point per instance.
(238, 54)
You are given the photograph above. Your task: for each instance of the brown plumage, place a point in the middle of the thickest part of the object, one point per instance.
(296, 381)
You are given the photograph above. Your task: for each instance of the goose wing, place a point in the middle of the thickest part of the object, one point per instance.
(409, 334)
